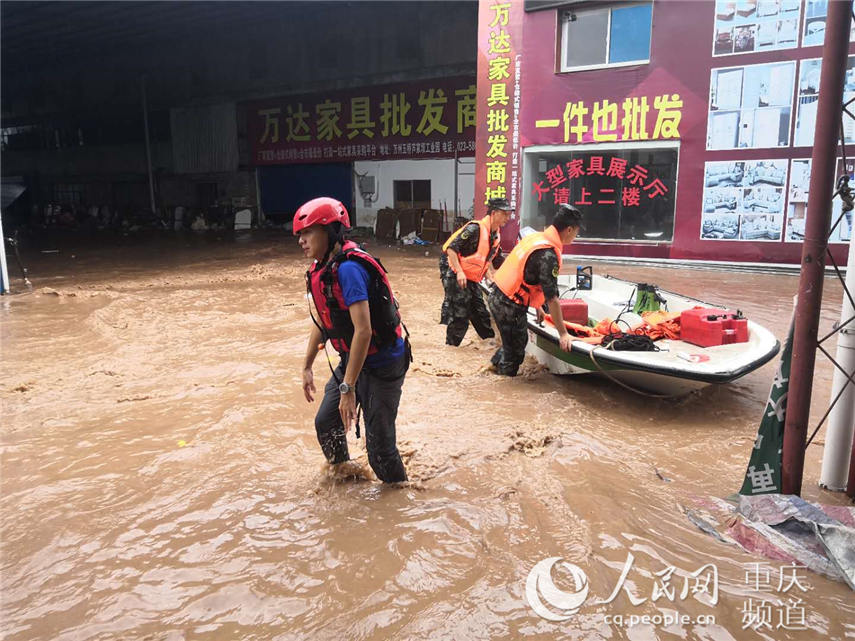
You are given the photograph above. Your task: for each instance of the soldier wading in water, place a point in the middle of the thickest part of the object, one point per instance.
(529, 278)
(470, 253)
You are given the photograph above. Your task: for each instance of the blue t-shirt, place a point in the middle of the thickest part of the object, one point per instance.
(354, 279)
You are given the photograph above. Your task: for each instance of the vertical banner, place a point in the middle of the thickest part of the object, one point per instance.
(497, 143)
(764, 467)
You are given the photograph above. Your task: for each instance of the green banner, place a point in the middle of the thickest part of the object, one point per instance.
(764, 468)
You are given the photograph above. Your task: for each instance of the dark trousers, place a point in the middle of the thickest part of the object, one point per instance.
(513, 328)
(378, 390)
(461, 306)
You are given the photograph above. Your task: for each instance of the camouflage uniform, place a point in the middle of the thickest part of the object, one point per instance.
(541, 268)
(462, 306)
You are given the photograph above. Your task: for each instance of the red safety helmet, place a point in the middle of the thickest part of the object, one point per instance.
(321, 211)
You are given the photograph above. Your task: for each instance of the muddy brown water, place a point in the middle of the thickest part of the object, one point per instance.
(161, 478)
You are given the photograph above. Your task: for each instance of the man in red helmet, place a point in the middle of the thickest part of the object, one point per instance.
(358, 314)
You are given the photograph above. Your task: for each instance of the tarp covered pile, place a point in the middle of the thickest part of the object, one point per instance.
(820, 537)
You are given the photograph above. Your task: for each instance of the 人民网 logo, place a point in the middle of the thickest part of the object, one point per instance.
(540, 590)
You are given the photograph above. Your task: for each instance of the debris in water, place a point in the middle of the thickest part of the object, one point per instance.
(532, 446)
(134, 398)
(661, 476)
(703, 525)
(425, 368)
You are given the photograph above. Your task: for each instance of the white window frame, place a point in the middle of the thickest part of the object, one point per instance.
(563, 68)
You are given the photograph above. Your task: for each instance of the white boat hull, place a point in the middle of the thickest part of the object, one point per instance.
(635, 379)
(678, 369)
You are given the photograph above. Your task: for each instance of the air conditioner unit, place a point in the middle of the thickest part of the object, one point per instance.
(366, 186)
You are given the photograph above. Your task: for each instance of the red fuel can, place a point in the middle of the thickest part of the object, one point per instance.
(574, 310)
(706, 327)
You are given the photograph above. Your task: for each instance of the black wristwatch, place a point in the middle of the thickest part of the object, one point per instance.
(344, 388)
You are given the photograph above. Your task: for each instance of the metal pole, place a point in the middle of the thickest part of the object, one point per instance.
(456, 204)
(823, 166)
(147, 147)
(261, 216)
(841, 421)
(4, 273)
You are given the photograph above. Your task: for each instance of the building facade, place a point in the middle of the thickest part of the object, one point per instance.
(681, 129)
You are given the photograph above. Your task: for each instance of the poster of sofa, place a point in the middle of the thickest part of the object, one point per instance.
(760, 227)
(813, 34)
(797, 203)
(720, 227)
(722, 200)
(724, 174)
(745, 187)
(808, 97)
(766, 173)
(750, 107)
(746, 26)
(744, 200)
(765, 200)
(723, 190)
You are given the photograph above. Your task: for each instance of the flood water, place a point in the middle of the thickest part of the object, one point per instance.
(161, 478)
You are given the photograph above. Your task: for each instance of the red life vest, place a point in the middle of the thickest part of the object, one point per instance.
(475, 265)
(336, 324)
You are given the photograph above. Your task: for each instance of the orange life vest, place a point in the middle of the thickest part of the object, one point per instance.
(579, 332)
(509, 277)
(475, 265)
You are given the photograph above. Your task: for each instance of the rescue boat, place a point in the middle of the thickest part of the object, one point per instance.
(675, 369)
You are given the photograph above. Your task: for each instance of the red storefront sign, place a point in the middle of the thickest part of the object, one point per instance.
(428, 119)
